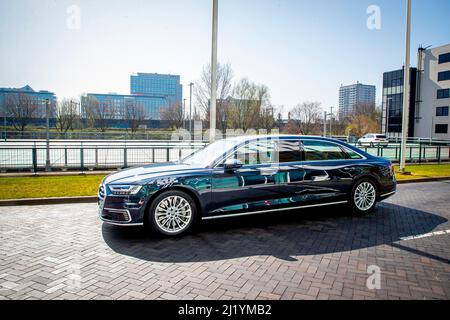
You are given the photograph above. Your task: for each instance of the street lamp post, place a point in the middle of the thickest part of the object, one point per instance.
(184, 112)
(190, 108)
(4, 121)
(406, 85)
(47, 142)
(212, 109)
(331, 121)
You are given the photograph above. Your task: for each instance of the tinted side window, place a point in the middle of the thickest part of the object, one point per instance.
(256, 152)
(352, 154)
(288, 151)
(322, 150)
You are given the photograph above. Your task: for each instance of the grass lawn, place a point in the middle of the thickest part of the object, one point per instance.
(52, 186)
(424, 171)
(86, 185)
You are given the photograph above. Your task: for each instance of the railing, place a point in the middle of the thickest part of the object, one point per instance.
(414, 153)
(92, 157)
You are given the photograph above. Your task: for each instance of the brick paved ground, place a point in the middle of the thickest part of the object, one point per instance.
(65, 252)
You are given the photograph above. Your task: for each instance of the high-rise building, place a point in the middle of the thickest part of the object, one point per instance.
(429, 96)
(353, 94)
(166, 86)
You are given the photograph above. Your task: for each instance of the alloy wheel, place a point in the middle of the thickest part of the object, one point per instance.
(173, 214)
(365, 196)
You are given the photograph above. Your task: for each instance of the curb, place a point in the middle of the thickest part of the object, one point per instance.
(93, 199)
(431, 179)
(43, 201)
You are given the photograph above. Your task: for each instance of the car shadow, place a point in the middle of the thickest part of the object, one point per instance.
(283, 235)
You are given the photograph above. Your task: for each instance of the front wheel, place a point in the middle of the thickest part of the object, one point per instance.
(363, 197)
(172, 213)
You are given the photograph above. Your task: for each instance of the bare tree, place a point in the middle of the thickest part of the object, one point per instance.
(365, 118)
(365, 109)
(21, 108)
(99, 114)
(202, 93)
(173, 114)
(134, 115)
(248, 101)
(266, 118)
(306, 116)
(66, 115)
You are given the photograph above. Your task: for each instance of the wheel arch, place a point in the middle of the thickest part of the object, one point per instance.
(372, 178)
(186, 190)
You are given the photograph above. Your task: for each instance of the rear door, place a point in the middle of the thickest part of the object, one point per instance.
(328, 172)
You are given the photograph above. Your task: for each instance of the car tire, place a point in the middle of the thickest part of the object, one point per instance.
(172, 213)
(363, 197)
(371, 144)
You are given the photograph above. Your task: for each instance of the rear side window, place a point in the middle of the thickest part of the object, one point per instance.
(352, 154)
(288, 151)
(381, 136)
(322, 150)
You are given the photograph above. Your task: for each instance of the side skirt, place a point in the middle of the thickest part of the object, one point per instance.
(272, 210)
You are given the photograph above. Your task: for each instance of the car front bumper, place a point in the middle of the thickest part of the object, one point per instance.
(120, 210)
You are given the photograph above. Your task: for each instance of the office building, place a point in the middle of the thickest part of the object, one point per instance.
(37, 99)
(149, 91)
(429, 96)
(392, 102)
(433, 99)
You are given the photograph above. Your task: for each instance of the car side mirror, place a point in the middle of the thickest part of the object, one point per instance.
(232, 164)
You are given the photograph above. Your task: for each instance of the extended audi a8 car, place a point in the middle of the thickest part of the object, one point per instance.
(245, 176)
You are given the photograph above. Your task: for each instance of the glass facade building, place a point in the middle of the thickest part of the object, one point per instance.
(36, 98)
(152, 91)
(392, 107)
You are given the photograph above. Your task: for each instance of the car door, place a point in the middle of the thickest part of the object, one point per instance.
(328, 172)
(249, 188)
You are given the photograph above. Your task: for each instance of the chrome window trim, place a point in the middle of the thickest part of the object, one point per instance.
(273, 210)
(231, 152)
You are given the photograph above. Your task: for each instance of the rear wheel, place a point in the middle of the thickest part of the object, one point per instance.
(363, 197)
(172, 213)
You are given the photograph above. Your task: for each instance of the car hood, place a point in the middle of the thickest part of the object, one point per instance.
(146, 173)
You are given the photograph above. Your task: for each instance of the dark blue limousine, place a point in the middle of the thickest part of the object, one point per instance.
(244, 176)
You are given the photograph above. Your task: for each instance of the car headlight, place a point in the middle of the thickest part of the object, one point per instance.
(125, 189)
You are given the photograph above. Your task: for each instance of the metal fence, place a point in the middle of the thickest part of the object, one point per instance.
(96, 156)
(91, 157)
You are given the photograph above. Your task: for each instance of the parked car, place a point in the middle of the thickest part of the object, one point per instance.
(373, 139)
(245, 176)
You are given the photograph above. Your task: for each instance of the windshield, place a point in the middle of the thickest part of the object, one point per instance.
(206, 156)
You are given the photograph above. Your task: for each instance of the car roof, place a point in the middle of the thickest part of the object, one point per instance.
(275, 136)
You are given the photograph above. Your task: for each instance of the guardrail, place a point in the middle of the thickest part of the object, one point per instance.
(91, 157)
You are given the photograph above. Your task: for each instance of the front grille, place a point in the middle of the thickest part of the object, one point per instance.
(116, 215)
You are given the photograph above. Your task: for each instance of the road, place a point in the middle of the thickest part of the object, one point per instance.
(65, 252)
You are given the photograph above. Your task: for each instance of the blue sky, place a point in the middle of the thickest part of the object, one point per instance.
(302, 50)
